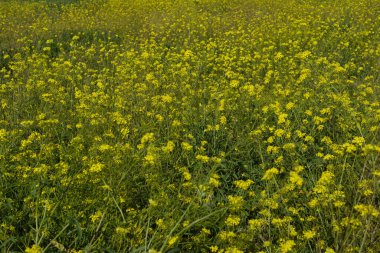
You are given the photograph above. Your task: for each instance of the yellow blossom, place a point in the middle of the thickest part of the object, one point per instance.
(270, 173)
(34, 249)
(243, 184)
(232, 220)
(309, 234)
(97, 167)
(186, 146)
(287, 246)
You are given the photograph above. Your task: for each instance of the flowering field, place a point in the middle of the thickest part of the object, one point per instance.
(190, 126)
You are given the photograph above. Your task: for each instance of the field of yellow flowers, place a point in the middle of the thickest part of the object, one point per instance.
(224, 126)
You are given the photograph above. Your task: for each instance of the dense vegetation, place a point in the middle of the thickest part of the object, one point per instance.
(190, 126)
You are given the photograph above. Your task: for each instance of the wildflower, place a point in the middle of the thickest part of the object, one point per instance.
(206, 231)
(295, 178)
(148, 137)
(309, 139)
(96, 216)
(225, 235)
(33, 249)
(160, 223)
(122, 231)
(214, 180)
(313, 203)
(267, 244)
(289, 146)
(223, 120)
(232, 220)
(124, 132)
(186, 175)
(150, 159)
(358, 140)
(309, 234)
(234, 83)
(214, 248)
(349, 148)
(202, 158)
(236, 202)
(243, 184)
(287, 246)
(105, 147)
(366, 210)
(328, 157)
(303, 55)
(97, 167)
(169, 147)
(256, 224)
(282, 118)
(278, 56)
(270, 173)
(166, 98)
(173, 240)
(176, 123)
(153, 202)
(273, 149)
(289, 106)
(279, 132)
(233, 250)
(186, 146)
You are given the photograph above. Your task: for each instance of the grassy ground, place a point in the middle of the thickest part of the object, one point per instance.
(189, 126)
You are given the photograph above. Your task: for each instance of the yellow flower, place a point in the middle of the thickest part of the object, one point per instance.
(233, 250)
(169, 147)
(214, 182)
(295, 178)
(279, 132)
(206, 231)
(33, 249)
(223, 120)
(225, 235)
(202, 158)
(97, 167)
(186, 146)
(287, 246)
(270, 173)
(236, 202)
(243, 184)
(186, 175)
(173, 240)
(122, 231)
(96, 216)
(148, 137)
(282, 118)
(309, 234)
(256, 224)
(150, 159)
(104, 147)
(166, 98)
(214, 248)
(289, 106)
(232, 220)
(289, 146)
(234, 83)
(365, 210)
(303, 55)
